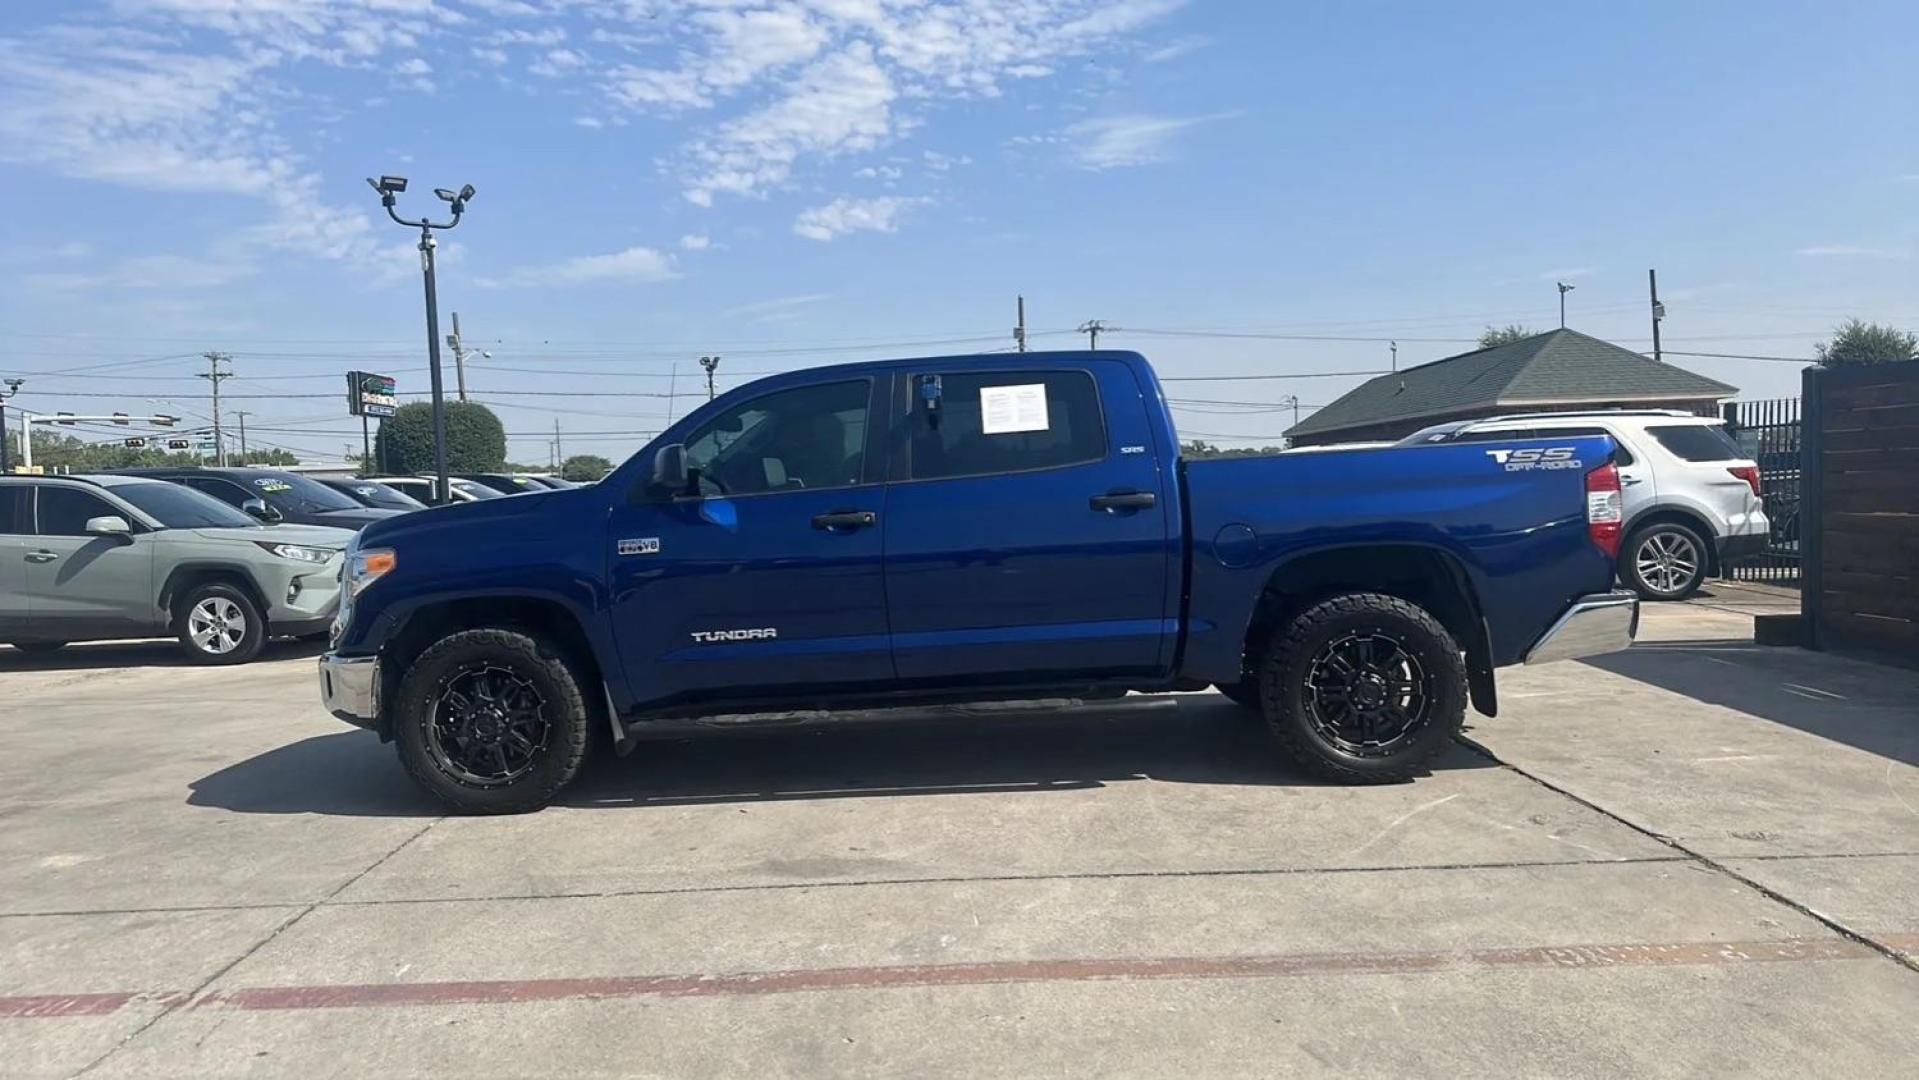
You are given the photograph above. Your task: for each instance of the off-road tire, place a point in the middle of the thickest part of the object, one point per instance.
(565, 710)
(1681, 536)
(1284, 670)
(254, 633)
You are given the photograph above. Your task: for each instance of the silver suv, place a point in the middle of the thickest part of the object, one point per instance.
(104, 557)
(1691, 496)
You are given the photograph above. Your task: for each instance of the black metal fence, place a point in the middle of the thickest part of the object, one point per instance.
(1771, 433)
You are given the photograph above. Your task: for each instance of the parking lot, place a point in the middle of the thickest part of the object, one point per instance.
(1701, 857)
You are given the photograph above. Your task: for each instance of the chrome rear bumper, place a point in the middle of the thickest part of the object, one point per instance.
(350, 688)
(1595, 624)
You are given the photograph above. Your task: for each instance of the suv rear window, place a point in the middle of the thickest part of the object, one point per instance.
(1697, 442)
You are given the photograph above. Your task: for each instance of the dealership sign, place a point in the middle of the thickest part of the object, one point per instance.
(368, 394)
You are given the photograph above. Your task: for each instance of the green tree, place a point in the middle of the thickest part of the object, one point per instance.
(1857, 342)
(1200, 448)
(475, 441)
(1504, 335)
(585, 468)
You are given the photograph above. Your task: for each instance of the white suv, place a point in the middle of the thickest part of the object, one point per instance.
(1692, 497)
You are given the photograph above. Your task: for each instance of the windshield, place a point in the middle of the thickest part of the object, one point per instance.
(179, 507)
(296, 494)
(379, 495)
(478, 491)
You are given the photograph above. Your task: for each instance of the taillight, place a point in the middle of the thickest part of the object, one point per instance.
(1605, 509)
(1748, 473)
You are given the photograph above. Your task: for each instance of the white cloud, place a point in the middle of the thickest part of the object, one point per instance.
(778, 309)
(886, 173)
(635, 264)
(1853, 251)
(592, 122)
(1115, 142)
(495, 57)
(414, 66)
(838, 105)
(557, 63)
(1177, 49)
(695, 242)
(848, 215)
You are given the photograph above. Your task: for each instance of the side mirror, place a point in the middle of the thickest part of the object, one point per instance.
(259, 509)
(108, 525)
(669, 469)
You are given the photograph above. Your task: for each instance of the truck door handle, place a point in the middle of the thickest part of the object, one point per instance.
(41, 556)
(1629, 481)
(847, 520)
(1124, 500)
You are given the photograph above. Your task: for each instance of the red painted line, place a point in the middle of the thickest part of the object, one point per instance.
(1118, 969)
(54, 1006)
(519, 991)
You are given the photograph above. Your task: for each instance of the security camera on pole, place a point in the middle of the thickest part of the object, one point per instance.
(389, 187)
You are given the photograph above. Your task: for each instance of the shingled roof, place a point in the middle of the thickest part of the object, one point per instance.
(1557, 367)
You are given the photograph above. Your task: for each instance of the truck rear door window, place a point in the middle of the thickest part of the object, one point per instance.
(1005, 421)
(1697, 442)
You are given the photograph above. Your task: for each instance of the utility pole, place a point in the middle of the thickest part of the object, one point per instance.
(1658, 314)
(241, 413)
(1393, 345)
(1092, 328)
(13, 387)
(556, 444)
(1563, 290)
(216, 376)
(672, 385)
(710, 363)
(454, 342)
(1019, 331)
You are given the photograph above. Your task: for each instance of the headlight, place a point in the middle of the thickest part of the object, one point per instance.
(363, 568)
(296, 552)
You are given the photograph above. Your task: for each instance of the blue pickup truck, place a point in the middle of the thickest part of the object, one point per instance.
(964, 529)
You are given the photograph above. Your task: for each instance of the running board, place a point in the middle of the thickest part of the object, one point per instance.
(1039, 708)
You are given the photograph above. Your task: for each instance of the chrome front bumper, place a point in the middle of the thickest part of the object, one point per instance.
(1595, 624)
(350, 688)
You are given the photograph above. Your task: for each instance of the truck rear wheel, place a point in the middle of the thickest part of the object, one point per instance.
(1363, 689)
(491, 721)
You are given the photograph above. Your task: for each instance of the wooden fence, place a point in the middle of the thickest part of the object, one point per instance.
(1859, 518)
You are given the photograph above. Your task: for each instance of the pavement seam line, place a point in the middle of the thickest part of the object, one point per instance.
(985, 879)
(1829, 922)
(182, 1000)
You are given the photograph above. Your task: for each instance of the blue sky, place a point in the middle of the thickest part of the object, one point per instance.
(791, 182)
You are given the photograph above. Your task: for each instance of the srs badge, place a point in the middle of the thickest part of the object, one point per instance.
(646, 545)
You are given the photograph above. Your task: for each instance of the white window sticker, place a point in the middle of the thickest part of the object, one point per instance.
(1006, 409)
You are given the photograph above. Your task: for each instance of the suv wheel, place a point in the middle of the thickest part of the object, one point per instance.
(1363, 689)
(219, 624)
(1664, 561)
(491, 722)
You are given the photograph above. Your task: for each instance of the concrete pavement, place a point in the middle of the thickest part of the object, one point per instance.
(1692, 859)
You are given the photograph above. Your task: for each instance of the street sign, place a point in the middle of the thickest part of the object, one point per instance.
(136, 443)
(368, 394)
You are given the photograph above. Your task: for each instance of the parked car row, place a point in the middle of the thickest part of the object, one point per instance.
(221, 558)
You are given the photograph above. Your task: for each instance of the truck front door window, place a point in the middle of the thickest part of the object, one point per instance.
(806, 438)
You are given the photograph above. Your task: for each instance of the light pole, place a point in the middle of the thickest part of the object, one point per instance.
(389, 187)
(710, 363)
(1563, 290)
(13, 387)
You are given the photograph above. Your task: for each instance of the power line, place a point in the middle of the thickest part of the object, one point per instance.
(1257, 378)
(1743, 356)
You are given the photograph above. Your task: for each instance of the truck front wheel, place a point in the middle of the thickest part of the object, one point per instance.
(491, 721)
(1363, 689)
